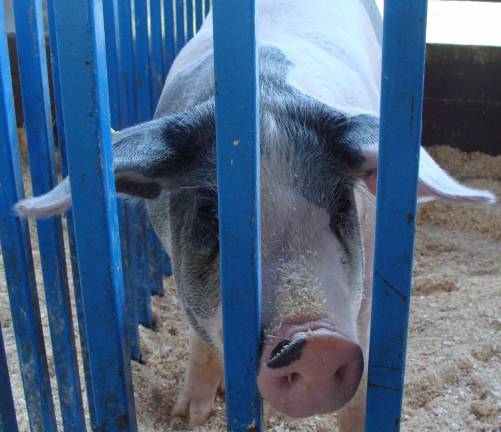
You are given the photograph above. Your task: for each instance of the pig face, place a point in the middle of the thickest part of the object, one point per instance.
(315, 162)
(312, 249)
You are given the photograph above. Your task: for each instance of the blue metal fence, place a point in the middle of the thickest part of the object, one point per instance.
(18, 264)
(30, 37)
(116, 81)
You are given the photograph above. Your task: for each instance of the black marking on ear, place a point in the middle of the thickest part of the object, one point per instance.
(286, 353)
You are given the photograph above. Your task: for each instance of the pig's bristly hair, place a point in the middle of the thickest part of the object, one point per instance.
(54, 202)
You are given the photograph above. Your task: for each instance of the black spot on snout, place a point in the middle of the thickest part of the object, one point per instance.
(286, 353)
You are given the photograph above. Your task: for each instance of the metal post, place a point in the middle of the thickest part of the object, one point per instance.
(8, 420)
(82, 72)
(156, 48)
(400, 137)
(199, 14)
(190, 15)
(170, 40)
(69, 216)
(238, 154)
(180, 28)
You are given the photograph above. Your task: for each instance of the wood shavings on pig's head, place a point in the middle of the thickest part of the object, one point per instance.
(299, 294)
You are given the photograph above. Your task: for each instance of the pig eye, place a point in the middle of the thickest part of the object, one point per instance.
(340, 217)
(208, 212)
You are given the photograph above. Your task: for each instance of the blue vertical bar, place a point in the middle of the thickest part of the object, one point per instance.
(142, 60)
(8, 420)
(69, 215)
(128, 118)
(128, 115)
(84, 90)
(156, 49)
(156, 255)
(199, 14)
(117, 99)
(166, 267)
(110, 9)
(30, 39)
(131, 303)
(18, 261)
(150, 254)
(170, 33)
(238, 154)
(179, 21)
(207, 7)
(190, 16)
(400, 137)
(139, 243)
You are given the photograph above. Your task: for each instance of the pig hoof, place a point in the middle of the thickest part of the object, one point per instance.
(195, 407)
(204, 377)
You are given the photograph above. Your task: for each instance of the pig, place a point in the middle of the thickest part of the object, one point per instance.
(319, 69)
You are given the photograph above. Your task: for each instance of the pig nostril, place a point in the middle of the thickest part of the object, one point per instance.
(291, 378)
(341, 373)
(285, 353)
(278, 349)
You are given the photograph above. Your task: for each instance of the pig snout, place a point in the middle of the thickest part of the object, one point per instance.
(309, 369)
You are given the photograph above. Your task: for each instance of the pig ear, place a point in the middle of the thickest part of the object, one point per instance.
(434, 182)
(149, 157)
(146, 159)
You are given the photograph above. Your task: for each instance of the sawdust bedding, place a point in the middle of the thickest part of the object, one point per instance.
(453, 367)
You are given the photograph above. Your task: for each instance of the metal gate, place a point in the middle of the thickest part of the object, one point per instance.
(108, 62)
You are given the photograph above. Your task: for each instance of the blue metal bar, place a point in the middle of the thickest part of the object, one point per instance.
(142, 60)
(162, 55)
(117, 99)
(156, 49)
(128, 118)
(82, 72)
(139, 243)
(400, 137)
(69, 215)
(131, 303)
(199, 14)
(128, 106)
(166, 267)
(30, 38)
(110, 9)
(18, 261)
(179, 22)
(169, 30)
(150, 256)
(155, 257)
(238, 154)
(190, 16)
(8, 420)
(207, 7)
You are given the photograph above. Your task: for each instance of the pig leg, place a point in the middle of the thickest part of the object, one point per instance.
(352, 417)
(203, 377)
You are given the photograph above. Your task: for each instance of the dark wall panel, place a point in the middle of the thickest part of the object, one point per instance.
(463, 97)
